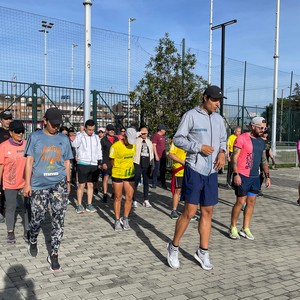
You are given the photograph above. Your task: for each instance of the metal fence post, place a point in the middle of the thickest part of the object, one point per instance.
(95, 94)
(34, 87)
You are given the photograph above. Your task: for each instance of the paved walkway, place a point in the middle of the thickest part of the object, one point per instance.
(98, 263)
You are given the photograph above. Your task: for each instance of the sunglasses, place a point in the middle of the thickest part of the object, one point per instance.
(123, 130)
(18, 131)
(261, 128)
(144, 132)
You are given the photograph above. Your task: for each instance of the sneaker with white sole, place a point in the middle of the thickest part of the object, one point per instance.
(125, 223)
(174, 214)
(203, 258)
(246, 233)
(172, 256)
(91, 208)
(134, 204)
(233, 233)
(146, 203)
(80, 209)
(118, 226)
(32, 249)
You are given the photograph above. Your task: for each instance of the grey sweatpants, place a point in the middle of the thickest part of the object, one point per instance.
(14, 197)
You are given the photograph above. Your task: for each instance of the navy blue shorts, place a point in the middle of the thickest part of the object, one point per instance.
(250, 186)
(199, 189)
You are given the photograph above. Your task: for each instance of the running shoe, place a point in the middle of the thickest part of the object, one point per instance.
(203, 258)
(233, 233)
(125, 223)
(146, 203)
(11, 239)
(246, 233)
(172, 256)
(54, 264)
(134, 204)
(118, 226)
(174, 214)
(80, 209)
(91, 208)
(32, 249)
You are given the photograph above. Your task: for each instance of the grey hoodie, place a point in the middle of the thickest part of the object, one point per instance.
(197, 127)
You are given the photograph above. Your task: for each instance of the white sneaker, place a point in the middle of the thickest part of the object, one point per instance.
(203, 259)
(146, 203)
(134, 204)
(173, 256)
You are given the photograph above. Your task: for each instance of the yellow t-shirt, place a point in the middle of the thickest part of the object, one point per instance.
(230, 142)
(123, 160)
(181, 154)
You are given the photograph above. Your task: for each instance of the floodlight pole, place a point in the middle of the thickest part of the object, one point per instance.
(275, 87)
(46, 25)
(210, 42)
(87, 60)
(223, 25)
(72, 65)
(128, 68)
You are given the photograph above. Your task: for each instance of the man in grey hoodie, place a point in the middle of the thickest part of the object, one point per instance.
(202, 134)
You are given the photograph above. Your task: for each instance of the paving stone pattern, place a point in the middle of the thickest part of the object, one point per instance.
(99, 263)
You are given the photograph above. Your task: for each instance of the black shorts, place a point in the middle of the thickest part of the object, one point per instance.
(178, 182)
(87, 173)
(119, 180)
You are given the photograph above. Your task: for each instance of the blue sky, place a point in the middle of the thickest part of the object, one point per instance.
(251, 39)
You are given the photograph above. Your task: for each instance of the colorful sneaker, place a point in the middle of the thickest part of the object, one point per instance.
(244, 206)
(11, 239)
(80, 209)
(172, 256)
(146, 203)
(233, 233)
(91, 208)
(33, 249)
(174, 214)
(246, 233)
(134, 204)
(203, 258)
(118, 226)
(54, 264)
(125, 223)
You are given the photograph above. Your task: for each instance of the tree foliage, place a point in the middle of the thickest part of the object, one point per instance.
(169, 87)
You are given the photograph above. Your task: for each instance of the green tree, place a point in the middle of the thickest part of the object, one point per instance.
(169, 87)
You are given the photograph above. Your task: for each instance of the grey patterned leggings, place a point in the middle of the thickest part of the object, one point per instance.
(40, 199)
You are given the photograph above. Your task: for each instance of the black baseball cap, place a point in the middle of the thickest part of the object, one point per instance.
(110, 127)
(6, 115)
(214, 92)
(16, 125)
(54, 115)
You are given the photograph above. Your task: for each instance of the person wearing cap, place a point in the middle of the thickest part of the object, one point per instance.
(202, 134)
(101, 133)
(106, 143)
(5, 119)
(121, 155)
(12, 166)
(230, 142)
(248, 153)
(89, 158)
(47, 180)
(159, 149)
